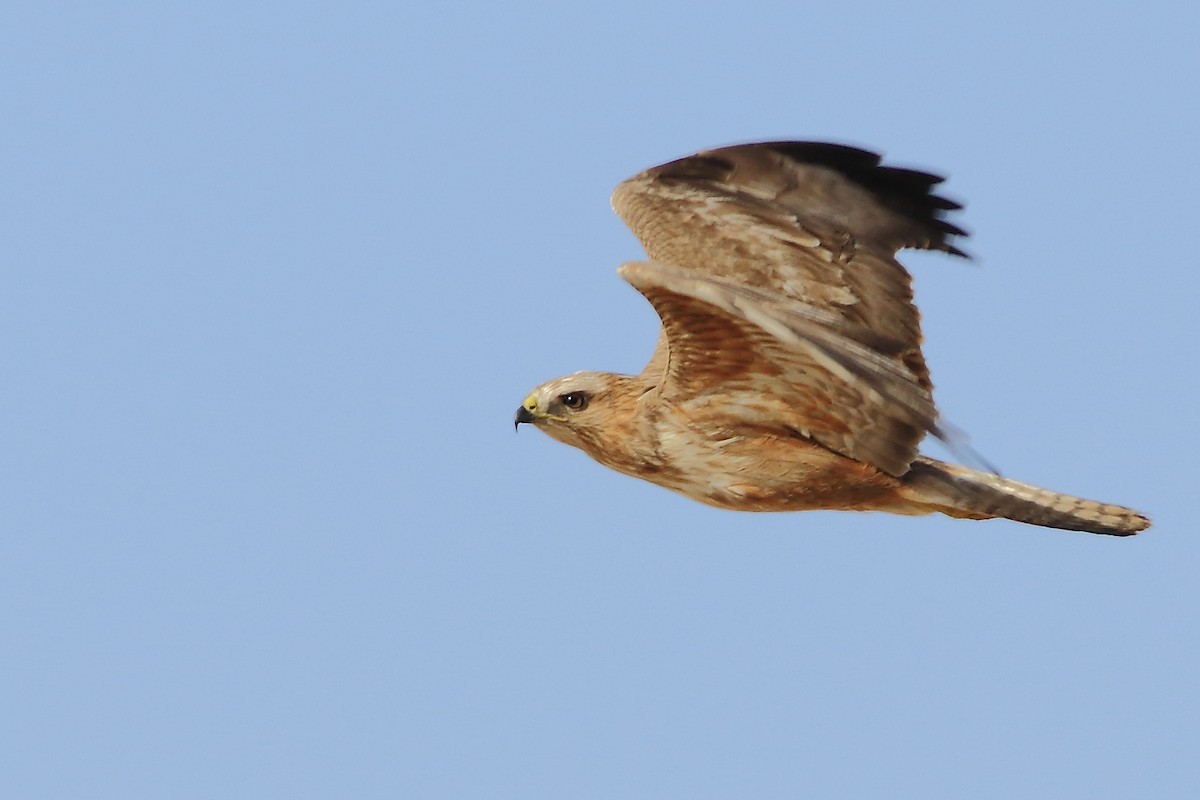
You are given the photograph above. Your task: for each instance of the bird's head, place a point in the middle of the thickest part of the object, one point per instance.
(577, 409)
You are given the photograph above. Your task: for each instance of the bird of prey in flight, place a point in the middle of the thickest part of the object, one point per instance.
(788, 374)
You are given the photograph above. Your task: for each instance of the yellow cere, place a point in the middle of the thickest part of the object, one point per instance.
(530, 404)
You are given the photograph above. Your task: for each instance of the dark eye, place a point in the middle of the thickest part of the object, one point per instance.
(576, 401)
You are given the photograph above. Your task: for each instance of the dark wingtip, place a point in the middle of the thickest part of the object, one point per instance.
(905, 191)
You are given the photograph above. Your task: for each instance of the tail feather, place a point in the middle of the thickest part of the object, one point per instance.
(967, 493)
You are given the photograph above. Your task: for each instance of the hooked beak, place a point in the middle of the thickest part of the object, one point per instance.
(523, 415)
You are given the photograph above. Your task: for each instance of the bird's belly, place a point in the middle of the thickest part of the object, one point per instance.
(770, 473)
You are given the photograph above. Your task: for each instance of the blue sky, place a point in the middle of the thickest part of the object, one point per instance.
(276, 276)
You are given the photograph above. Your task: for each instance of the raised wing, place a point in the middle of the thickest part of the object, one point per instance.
(775, 278)
(818, 223)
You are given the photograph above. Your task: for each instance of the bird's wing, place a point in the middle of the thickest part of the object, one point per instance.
(774, 272)
(818, 223)
(737, 356)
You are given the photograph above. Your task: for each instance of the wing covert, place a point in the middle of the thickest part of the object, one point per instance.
(779, 364)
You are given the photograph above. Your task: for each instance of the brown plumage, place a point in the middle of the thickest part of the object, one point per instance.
(788, 375)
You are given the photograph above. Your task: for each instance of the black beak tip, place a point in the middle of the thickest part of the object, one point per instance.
(523, 415)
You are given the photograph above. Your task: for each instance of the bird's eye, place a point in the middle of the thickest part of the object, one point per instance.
(576, 401)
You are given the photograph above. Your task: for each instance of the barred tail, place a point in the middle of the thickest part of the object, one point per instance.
(970, 494)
